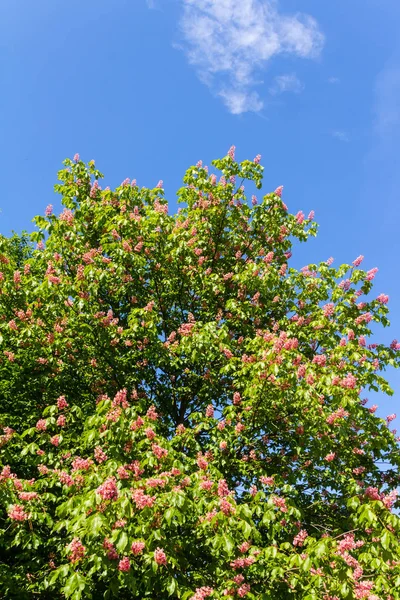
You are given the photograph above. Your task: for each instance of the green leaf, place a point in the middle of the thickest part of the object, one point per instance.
(171, 586)
(74, 586)
(122, 542)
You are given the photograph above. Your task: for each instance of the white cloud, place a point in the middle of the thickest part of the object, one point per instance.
(333, 80)
(286, 83)
(343, 136)
(230, 41)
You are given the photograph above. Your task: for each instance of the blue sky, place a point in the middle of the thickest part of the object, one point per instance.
(147, 88)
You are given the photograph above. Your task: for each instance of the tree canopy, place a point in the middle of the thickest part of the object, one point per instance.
(184, 413)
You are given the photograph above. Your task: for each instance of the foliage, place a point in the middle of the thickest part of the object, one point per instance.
(182, 410)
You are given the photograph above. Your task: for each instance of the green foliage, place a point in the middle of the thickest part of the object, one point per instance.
(182, 410)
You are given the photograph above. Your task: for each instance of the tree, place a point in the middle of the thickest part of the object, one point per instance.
(182, 410)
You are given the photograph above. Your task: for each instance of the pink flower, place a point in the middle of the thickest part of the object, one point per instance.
(120, 524)
(77, 550)
(372, 493)
(41, 425)
(362, 589)
(300, 217)
(137, 548)
(150, 433)
(61, 421)
(390, 418)
(202, 462)
(371, 274)
(357, 262)
(241, 563)
(236, 398)
(358, 470)
(280, 503)
(226, 507)
(160, 184)
(67, 215)
(330, 457)
(300, 537)
(239, 427)
(62, 403)
(244, 547)
(123, 473)
(231, 152)
(81, 464)
(94, 188)
(64, 478)
(76, 157)
(112, 554)
(301, 371)
(389, 499)
(206, 484)
(124, 564)
(141, 499)
(152, 414)
(328, 309)
(223, 489)
(278, 191)
(55, 440)
(202, 593)
(160, 557)
(99, 455)
(210, 411)
(340, 413)
(108, 490)
(349, 381)
(17, 513)
(49, 210)
(267, 480)
(159, 452)
(319, 359)
(28, 496)
(243, 590)
(383, 299)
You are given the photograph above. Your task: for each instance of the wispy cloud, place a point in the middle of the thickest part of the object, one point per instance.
(340, 135)
(229, 42)
(286, 83)
(333, 80)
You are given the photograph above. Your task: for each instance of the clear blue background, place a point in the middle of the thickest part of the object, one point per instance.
(107, 79)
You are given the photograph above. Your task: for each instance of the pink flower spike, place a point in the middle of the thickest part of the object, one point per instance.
(160, 556)
(231, 152)
(124, 564)
(383, 299)
(357, 262)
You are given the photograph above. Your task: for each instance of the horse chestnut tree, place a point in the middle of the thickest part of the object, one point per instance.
(183, 413)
